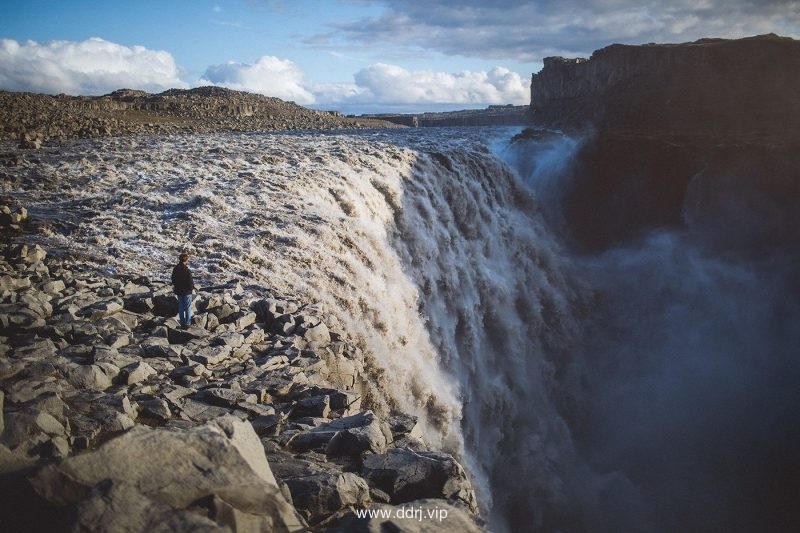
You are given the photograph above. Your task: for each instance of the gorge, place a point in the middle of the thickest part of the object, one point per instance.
(595, 317)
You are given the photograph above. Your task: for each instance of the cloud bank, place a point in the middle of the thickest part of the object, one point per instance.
(529, 31)
(392, 87)
(91, 67)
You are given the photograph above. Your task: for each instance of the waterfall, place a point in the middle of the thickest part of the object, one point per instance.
(648, 386)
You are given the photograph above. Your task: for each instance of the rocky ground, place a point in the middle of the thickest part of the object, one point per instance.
(34, 119)
(252, 419)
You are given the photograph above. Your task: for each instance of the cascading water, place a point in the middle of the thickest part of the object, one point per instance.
(645, 387)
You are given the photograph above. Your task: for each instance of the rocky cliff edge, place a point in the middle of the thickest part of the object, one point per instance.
(744, 88)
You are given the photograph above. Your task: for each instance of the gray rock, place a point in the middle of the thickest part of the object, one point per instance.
(403, 424)
(92, 377)
(213, 355)
(221, 397)
(27, 424)
(155, 408)
(137, 372)
(165, 305)
(182, 336)
(101, 309)
(114, 505)
(406, 475)
(172, 468)
(346, 436)
(318, 492)
(316, 335)
(318, 406)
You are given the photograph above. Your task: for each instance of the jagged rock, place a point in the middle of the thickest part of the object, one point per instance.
(31, 254)
(274, 362)
(13, 283)
(406, 475)
(318, 406)
(171, 467)
(165, 305)
(131, 288)
(182, 336)
(350, 435)
(320, 490)
(201, 412)
(93, 377)
(101, 309)
(420, 516)
(27, 424)
(403, 424)
(155, 408)
(221, 397)
(107, 354)
(101, 511)
(213, 355)
(137, 372)
(316, 334)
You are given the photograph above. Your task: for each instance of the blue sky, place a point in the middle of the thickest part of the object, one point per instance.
(351, 55)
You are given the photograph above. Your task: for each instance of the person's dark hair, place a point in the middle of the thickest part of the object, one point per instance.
(183, 258)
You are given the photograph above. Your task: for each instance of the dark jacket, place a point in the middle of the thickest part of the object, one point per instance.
(182, 280)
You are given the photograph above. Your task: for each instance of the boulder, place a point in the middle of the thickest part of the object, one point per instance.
(347, 436)
(320, 490)
(137, 372)
(173, 468)
(93, 377)
(406, 476)
(165, 305)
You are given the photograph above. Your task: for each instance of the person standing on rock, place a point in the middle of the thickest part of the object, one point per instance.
(183, 285)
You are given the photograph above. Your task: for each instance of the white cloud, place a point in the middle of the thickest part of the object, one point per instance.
(90, 67)
(269, 76)
(392, 85)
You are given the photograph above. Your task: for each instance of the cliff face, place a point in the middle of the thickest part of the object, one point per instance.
(699, 136)
(743, 88)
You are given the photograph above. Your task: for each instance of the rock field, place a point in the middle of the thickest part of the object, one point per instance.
(252, 419)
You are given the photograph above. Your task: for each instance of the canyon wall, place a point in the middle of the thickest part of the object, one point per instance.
(745, 88)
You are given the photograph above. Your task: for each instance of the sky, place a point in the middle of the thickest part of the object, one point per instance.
(355, 56)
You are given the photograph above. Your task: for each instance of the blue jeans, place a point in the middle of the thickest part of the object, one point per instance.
(185, 309)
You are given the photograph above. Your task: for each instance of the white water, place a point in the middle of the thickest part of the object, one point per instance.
(552, 377)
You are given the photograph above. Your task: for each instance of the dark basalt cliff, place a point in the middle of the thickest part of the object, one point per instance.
(745, 87)
(701, 136)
